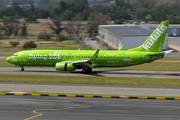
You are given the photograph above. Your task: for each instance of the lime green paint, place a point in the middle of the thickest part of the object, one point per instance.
(68, 60)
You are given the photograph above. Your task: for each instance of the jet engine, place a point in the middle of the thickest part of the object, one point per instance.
(61, 66)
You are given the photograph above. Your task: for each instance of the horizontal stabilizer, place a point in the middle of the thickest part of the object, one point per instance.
(162, 53)
(166, 52)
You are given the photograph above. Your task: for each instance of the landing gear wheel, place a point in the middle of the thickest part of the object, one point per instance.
(22, 69)
(86, 70)
(89, 70)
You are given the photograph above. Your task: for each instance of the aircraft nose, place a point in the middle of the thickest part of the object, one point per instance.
(9, 59)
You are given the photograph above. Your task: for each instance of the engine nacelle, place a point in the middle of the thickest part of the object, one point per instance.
(61, 66)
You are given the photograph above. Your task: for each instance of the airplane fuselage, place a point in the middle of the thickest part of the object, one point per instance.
(104, 58)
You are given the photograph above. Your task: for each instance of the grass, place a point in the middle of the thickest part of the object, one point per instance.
(33, 30)
(47, 45)
(5, 55)
(174, 53)
(171, 58)
(132, 81)
(94, 94)
(4, 63)
(155, 66)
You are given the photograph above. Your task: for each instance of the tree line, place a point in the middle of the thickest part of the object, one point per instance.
(77, 11)
(121, 9)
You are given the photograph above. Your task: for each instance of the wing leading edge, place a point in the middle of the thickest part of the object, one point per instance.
(86, 63)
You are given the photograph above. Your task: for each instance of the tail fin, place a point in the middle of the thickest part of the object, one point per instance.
(155, 42)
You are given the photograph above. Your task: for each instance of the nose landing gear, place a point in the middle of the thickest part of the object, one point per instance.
(22, 69)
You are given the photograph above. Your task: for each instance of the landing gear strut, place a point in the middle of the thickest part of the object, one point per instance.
(86, 70)
(22, 69)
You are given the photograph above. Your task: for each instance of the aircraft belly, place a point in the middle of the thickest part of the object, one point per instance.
(108, 63)
(38, 63)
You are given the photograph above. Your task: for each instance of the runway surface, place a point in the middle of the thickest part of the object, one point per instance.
(91, 89)
(96, 72)
(59, 108)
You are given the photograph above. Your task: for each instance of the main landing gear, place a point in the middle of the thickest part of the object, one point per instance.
(86, 70)
(22, 69)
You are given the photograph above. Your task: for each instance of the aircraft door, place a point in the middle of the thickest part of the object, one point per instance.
(24, 57)
(137, 55)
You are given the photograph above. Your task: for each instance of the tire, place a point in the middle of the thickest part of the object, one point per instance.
(89, 70)
(86, 70)
(22, 69)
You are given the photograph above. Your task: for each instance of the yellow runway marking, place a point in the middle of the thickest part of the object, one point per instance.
(40, 114)
(2, 93)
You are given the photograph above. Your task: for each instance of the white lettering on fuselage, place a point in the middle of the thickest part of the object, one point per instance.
(44, 57)
(154, 37)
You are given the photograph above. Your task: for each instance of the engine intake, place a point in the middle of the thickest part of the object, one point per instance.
(61, 66)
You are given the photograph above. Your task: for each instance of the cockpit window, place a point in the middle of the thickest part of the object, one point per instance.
(14, 55)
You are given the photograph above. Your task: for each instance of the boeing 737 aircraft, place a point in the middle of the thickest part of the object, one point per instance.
(69, 60)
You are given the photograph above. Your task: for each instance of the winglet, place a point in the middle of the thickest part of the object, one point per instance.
(95, 56)
(122, 47)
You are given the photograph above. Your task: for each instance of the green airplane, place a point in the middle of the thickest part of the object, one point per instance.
(69, 60)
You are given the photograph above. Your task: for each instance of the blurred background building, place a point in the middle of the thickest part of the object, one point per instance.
(131, 35)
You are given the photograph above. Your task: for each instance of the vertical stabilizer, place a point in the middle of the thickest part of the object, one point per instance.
(155, 42)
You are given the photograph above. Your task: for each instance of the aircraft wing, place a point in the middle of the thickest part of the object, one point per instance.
(162, 53)
(86, 63)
